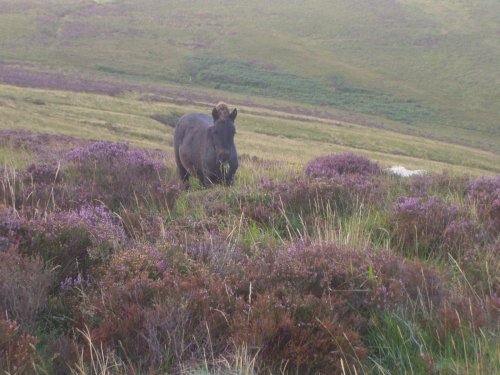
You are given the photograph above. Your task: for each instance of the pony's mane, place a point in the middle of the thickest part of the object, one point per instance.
(223, 110)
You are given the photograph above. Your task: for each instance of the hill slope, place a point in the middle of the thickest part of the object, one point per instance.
(265, 131)
(419, 66)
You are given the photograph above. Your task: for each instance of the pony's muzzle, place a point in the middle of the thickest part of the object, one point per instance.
(224, 157)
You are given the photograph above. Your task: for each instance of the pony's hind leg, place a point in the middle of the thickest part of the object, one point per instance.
(184, 175)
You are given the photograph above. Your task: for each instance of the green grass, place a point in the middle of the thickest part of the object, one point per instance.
(403, 346)
(270, 134)
(421, 67)
(14, 158)
(245, 77)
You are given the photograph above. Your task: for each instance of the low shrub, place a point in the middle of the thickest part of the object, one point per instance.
(17, 349)
(460, 235)
(44, 173)
(24, 287)
(308, 298)
(428, 225)
(305, 333)
(347, 180)
(151, 306)
(117, 175)
(10, 228)
(301, 197)
(333, 165)
(484, 194)
(45, 146)
(72, 241)
(440, 184)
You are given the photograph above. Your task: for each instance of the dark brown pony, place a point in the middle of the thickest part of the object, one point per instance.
(204, 146)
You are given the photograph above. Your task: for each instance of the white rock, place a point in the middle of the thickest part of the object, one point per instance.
(399, 170)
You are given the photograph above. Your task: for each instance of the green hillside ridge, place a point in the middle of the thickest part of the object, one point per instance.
(428, 68)
(262, 132)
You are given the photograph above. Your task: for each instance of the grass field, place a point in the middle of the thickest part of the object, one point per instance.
(419, 66)
(266, 133)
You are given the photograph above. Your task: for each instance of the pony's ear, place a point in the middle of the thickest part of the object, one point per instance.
(215, 114)
(233, 114)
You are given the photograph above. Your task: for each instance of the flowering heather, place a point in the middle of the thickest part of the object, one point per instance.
(115, 9)
(484, 193)
(150, 305)
(77, 30)
(10, 225)
(137, 261)
(437, 183)
(333, 165)
(299, 284)
(102, 225)
(348, 178)
(72, 282)
(148, 294)
(112, 173)
(17, 349)
(26, 77)
(74, 240)
(460, 234)
(341, 192)
(47, 147)
(24, 287)
(362, 277)
(216, 273)
(429, 224)
(43, 173)
(118, 175)
(40, 187)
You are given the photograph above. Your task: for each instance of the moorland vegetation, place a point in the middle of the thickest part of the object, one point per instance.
(108, 266)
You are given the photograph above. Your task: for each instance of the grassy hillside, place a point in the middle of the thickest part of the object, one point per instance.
(106, 266)
(262, 131)
(417, 66)
(316, 260)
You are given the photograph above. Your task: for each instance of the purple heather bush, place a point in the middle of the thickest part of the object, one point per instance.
(111, 173)
(152, 283)
(17, 349)
(43, 174)
(429, 224)
(43, 187)
(331, 166)
(460, 234)
(47, 79)
(119, 176)
(24, 286)
(75, 241)
(307, 195)
(10, 228)
(149, 305)
(40, 187)
(296, 293)
(437, 184)
(361, 277)
(10, 185)
(484, 194)
(348, 179)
